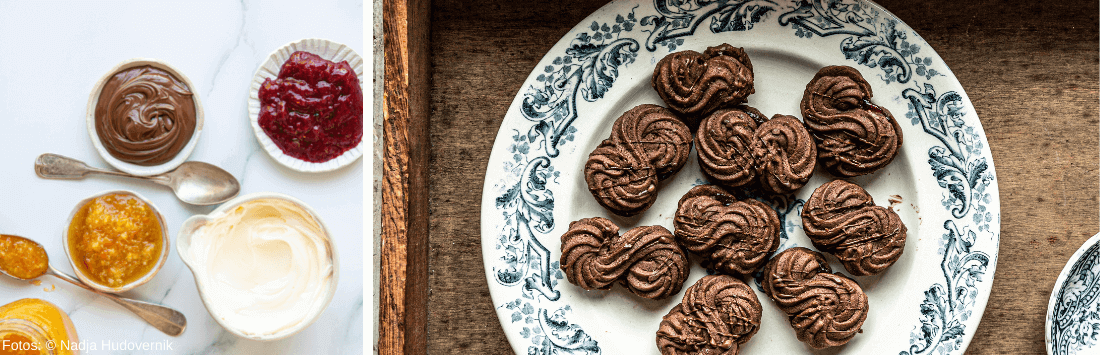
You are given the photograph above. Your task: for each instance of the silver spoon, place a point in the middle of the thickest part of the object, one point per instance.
(165, 319)
(193, 182)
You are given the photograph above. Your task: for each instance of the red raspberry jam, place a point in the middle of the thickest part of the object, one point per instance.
(314, 110)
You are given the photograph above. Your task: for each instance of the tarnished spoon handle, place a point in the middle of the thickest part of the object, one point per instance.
(53, 166)
(165, 319)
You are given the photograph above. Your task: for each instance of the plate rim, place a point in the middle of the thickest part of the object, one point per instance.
(1059, 287)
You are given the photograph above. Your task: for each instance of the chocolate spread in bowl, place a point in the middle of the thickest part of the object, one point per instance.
(144, 115)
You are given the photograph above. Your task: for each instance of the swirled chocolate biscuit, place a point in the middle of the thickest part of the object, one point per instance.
(724, 141)
(716, 316)
(733, 237)
(785, 154)
(739, 147)
(854, 137)
(694, 84)
(646, 260)
(647, 144)
(825, 309)
(841, 218)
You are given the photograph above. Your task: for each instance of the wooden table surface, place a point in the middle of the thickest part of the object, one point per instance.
(1030, 70)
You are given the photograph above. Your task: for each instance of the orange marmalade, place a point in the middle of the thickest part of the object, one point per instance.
(27, 325)
(22, 258)
(115, 239)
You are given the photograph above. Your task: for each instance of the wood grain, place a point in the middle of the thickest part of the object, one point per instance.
(1030, 69)
(403, 274)
(481, 53)
(395, 185)
(416, 284)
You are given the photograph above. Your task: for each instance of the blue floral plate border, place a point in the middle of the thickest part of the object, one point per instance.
(942, 184)
(1073, 313)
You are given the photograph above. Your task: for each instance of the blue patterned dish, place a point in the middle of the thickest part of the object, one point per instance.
(929, 302)
(1073, 314)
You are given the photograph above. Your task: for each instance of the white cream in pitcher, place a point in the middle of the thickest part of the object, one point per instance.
(264, 265)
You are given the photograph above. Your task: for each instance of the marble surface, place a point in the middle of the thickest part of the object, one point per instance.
(54, 53)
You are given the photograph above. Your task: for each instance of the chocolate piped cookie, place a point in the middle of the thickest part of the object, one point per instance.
(740, 147)
(733, 237)
(645, 260)
(647, 144)
(785, 154)
(840, 218)
(825, 309)
(854, 137)
(716, 316)
(695, 84)
(724, 141)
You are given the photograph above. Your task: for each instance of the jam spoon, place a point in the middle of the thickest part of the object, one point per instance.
(194, 182)
(165, 319)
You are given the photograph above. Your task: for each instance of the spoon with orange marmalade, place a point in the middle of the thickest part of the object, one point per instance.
(25, 259)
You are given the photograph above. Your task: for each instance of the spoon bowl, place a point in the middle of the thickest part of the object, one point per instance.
(193, 182)
(22, 258)
(165, 319)
(199, 183)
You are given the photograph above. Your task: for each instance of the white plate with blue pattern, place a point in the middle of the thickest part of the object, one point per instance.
(1073, 314)
(942, 184)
